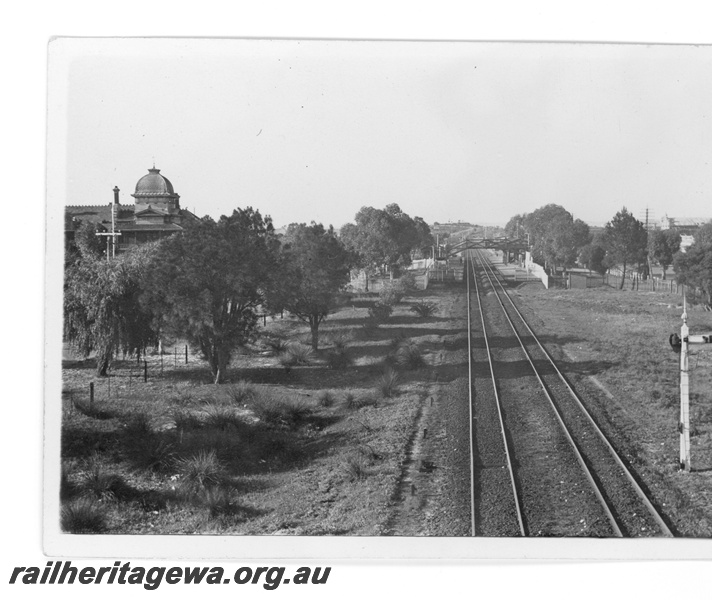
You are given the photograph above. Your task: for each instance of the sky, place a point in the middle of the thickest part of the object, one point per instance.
(314, 130)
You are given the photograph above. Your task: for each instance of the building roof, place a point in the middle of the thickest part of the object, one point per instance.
(154, 184)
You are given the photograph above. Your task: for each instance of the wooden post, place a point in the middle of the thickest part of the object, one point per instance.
(145, 371)
(161, 362)
(175, 356)
(91, 394)
(186, 354)
(108, 382)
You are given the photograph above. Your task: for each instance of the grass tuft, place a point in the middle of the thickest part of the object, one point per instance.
(82, 516)
(356, 467)
(200, 471)
(326, 399)
(296, 354)
(409, 356)
(95, 481)
(242, 392)
(222, 417)
(424, 309)
(387, 384)
(288, 413)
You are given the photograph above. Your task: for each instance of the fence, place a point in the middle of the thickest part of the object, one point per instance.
(653, 284)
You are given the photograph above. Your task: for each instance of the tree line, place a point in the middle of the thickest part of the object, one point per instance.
(558, 240)
(209, 283)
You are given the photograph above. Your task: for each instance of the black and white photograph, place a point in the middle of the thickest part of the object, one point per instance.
(400, 298)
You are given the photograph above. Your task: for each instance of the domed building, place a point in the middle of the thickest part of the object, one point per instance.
(155, 213)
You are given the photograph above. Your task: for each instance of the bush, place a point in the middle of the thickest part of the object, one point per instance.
(200, 471)
(424, 309)
(185, 420)
(82, 516)
(380, 312)
(277, 345)
(390, 294)
(218, 500)
(222, 417)
(153, 453)
(137, 424)
(349, 401)
(296, 354)
(325, 399)
(356, 467)
(410, 357)
(97, 482)
(387, 384)
(280, 412)
(241, 392)
(338, 359)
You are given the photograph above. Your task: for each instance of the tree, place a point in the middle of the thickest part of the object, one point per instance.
(625, 240)
(86, 244)
(694, 267)
(102, 309)
(314, 268)
(662, 246)
(209, 280)
(704, 234)
(384, 239)
(593, 255)
(555, 237)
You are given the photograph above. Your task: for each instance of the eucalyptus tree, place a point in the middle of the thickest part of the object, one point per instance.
(208, 282)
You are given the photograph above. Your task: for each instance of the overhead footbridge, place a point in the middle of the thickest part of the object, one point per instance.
(508, 245)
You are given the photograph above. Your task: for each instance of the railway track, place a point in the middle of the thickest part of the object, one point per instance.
(541, 465)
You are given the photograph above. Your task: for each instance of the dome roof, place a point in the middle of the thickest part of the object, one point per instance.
(154, 184)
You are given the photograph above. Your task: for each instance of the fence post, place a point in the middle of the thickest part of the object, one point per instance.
(91, 394)
(145, 371)
(186, 354)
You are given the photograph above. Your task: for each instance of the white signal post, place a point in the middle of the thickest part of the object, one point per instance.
(684, 426)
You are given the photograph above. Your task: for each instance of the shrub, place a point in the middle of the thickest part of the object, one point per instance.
(387, 384)
(241, 392)
(277, 345)
(356, 467)
(154, 453)
(390, 294)
(280, 412)
(218, 500)
(296, 354)
(397, 341)
(138, 424)
(410, 357)
(82, 516)
(325, 399)
(366, 400)
(407, 283)
(380, 312)
(185, 420)
(349, 401)
(200, 470)
(424, 309)
(338, 359)
(97, 482)
(222, 417)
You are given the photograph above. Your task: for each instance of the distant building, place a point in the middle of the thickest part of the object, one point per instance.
(155, 213)
(684, 226)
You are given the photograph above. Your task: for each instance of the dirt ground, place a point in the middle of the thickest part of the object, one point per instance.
(346, 461)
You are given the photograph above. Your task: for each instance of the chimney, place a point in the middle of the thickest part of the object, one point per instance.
(116, 194)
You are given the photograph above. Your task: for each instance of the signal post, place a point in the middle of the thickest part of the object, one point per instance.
(681, 344)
